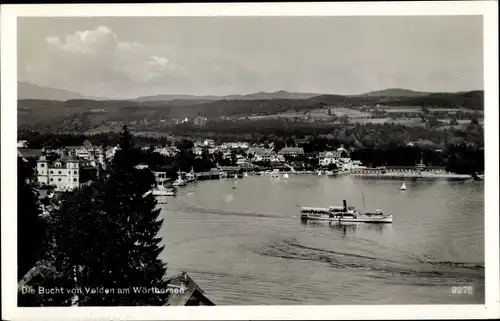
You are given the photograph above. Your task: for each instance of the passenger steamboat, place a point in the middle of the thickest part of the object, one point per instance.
(344, 214)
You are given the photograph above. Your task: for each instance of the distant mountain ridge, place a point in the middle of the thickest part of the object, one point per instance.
(282, 94)
(28, 90)
(396, 92)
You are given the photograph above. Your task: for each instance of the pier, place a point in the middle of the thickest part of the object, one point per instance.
(201, 176)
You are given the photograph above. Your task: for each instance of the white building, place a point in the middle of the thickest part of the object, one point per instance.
(165, 151)
(63, 173)
(348, 165)
(241, 160)
(261, 154)
(22, 144)
(209, 142)
(110, 152)
(277, 158)
(197, 151)
(329, 157)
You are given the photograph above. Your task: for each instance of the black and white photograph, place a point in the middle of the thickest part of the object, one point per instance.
(215, 160)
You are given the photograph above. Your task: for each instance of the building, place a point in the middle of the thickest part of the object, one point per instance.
(301, 142)
(209, 142)
(346, 164)
(63, 173)
(30, 153)
(165, 151)
(277, 158)
(198, 151)
(110, 152)
(291, 151)
(230, 170)
(186, 292)
(329, 157)
(241, 160)
(160, 176)
(200, 120)
(261, 154)
(22, 144)
(95, 154)
(213, 173)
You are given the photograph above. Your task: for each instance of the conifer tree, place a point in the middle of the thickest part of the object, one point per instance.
(31, 228)
(105, 237)
(133, 226)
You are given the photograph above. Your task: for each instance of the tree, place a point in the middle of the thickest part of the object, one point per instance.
(31, 227)
(332, 167)
(184, 144)
(105, 235)
(290, 142)
(279, 144)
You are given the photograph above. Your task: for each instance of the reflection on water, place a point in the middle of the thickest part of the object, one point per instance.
(249, 246)
(345, 227)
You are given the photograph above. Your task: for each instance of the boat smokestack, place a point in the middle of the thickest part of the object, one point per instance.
(345, 205)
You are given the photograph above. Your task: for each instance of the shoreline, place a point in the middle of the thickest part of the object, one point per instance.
(414, 176)
(437, 176)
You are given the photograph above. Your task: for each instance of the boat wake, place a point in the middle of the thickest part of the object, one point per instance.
(417, 271)
(204, 210)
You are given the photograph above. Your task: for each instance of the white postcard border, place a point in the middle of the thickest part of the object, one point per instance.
(9, 14)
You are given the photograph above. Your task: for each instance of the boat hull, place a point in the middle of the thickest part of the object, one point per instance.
(163, 193)
(386, 219)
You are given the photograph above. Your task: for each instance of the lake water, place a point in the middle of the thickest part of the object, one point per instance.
(248, 246)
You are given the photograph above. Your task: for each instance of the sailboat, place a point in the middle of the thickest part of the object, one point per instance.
(285, 176)
(235, 176)
(319, 173)
(403, 187)
(245, 175)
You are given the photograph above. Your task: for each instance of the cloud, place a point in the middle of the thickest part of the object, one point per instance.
(159, 60)
(101, 39)
(97, 62)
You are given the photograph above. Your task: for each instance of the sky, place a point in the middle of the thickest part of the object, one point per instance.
(124, 57)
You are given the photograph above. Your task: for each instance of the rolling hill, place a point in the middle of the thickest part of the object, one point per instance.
(395, 92)
(51, 108)
(26, 90)
(282, 94)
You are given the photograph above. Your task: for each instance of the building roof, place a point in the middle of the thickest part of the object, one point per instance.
(191, 291)
(259, 151)
(335, 153)
(291, 150)
(229, 168)
(29, 152)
